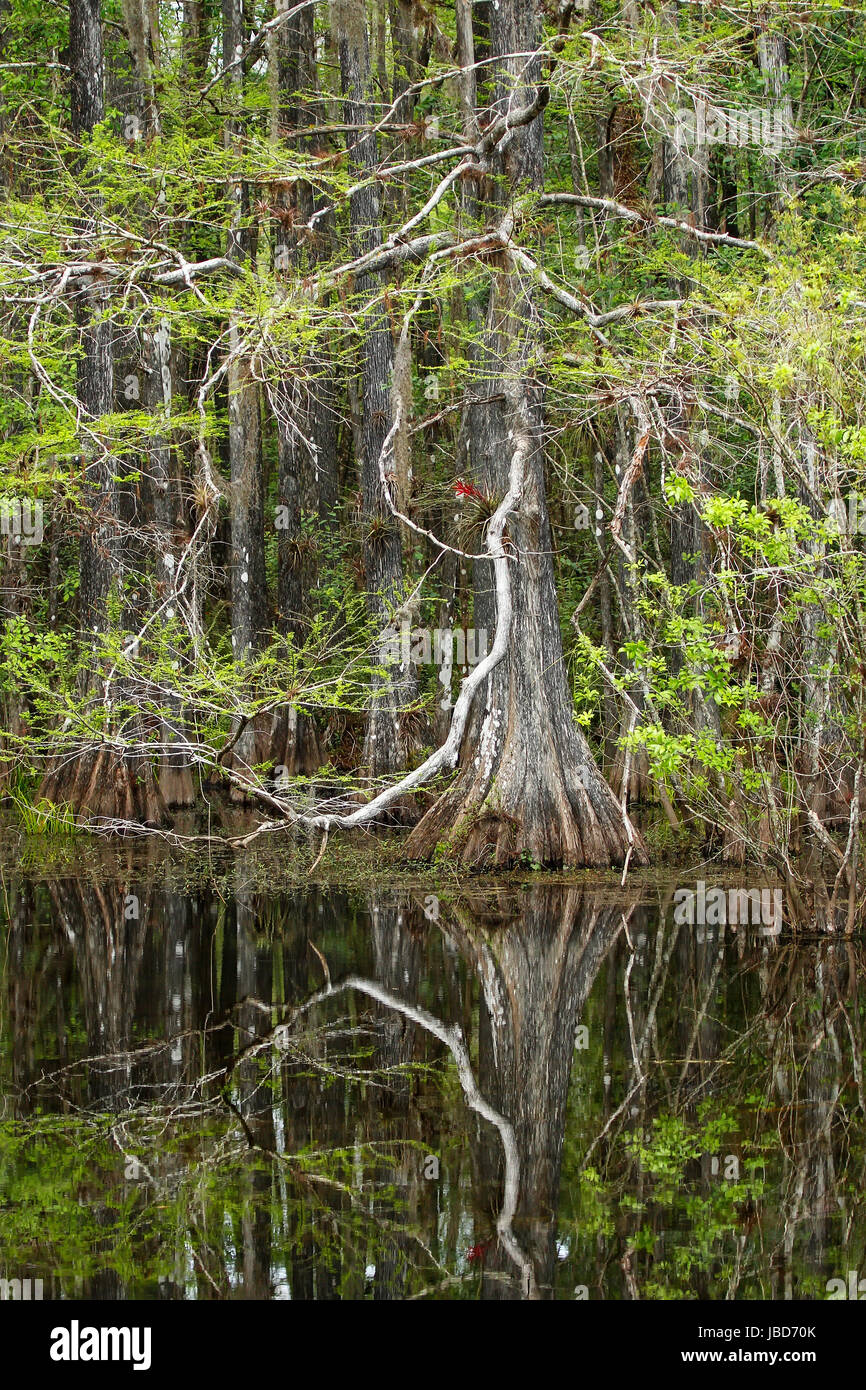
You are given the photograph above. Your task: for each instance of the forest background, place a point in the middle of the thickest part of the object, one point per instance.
(447, 415)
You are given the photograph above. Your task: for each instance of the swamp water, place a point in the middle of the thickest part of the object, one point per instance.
(220, 1089)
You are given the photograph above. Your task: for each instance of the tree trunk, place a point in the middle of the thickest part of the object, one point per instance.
(247, 561)
(686, 191)
(306, 418)
(175, 771)
(527, 783)
(773, 60)
(389, 738)
(104, 781)
(160, 487)
(196, 38)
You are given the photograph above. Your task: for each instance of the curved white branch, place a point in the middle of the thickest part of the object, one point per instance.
(452, 1037)
(445, 757)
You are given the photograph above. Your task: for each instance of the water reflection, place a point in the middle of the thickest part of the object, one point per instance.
(519, 1092)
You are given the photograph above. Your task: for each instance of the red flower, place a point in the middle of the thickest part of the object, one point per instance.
(464, 489)
(477, 1252)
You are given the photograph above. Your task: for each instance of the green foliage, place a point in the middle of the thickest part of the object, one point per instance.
(43, 817)
(744, 352)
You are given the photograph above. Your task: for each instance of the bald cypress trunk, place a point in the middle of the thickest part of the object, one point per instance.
(388, 739)
(169, 528)
(686, 191)
(196, 38)
(14, 604)
(249, 607)
(527, 783)
(95, 369)
(305, 406)
(105, 781)
(773, 61)
(14, 595)
(154, 506)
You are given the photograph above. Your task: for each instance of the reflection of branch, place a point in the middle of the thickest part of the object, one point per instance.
(453, 1039)
(709, 995)
(656, 985)
(194, 1231)
(635, 1050)
(130, 1158)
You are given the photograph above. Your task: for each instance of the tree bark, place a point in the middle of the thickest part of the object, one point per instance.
(247, 561)
(306, 417)
(527, 783)
(105, 781)
(389, 738)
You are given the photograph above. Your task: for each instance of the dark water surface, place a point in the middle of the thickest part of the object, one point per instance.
(536, 1090)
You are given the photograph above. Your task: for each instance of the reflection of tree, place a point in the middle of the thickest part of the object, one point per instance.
(669, 1050)
(536, 959)
(398, 962)
(107, 940)
(313, 1115)
(772, 1034)
(144, 965)
(811, 1013)
(253, 1093)
(452, 1036)
(536, 955)
(701, 960)
(278, 1069)
(25, 982)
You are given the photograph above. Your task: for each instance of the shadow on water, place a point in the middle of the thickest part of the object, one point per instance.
(520, 1092)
